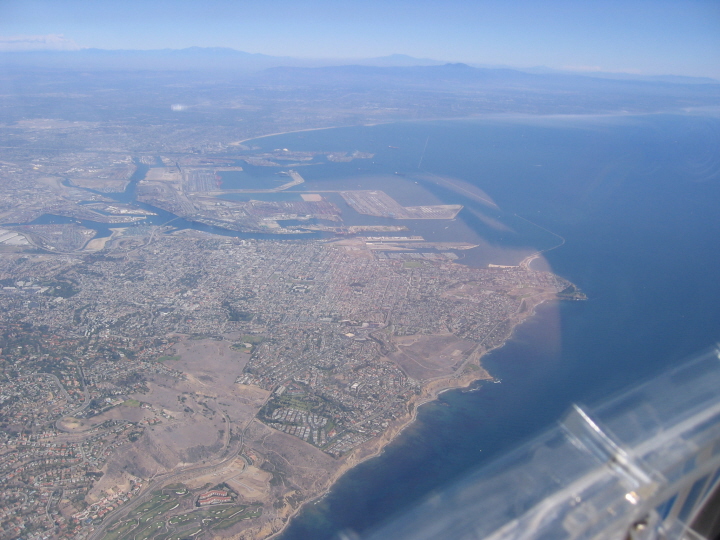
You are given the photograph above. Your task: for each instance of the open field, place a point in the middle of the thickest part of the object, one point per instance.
(378, 203)
(427, 357)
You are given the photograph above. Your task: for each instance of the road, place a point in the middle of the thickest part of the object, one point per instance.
(82, 407)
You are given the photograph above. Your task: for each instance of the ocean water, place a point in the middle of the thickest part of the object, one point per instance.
(637, 201)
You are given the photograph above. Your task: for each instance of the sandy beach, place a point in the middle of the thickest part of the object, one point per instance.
(238, 143)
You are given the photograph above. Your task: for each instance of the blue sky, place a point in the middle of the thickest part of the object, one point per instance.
(639, 36)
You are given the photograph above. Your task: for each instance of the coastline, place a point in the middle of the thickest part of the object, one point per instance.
(430, 391)
(375, 447)
(238, 143)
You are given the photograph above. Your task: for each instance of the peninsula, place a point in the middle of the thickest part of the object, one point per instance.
(171, 370)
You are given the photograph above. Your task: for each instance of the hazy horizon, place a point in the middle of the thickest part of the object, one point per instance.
(637, 37)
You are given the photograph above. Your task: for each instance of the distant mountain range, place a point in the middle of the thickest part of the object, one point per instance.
(564, 93)
(193, 58)
(463, 74)
(225, 59)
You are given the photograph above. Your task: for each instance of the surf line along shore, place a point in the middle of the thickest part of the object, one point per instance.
(465, 370)
(469, 372)
(290, 471)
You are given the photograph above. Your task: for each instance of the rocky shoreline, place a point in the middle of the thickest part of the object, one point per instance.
(430, 391)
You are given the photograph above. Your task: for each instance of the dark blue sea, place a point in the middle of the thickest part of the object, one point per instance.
(637, 201)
